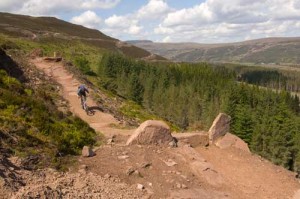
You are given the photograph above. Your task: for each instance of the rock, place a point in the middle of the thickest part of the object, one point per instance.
(230, 140)
(123, 157)
(130, 171)
(151, 132)
(220, 127)
(87, 152)
(137, 173)
(184, 186)
(194, 139)
(140, 186)
(106, 176)
(145, 165)
(173, 144)
(170, 163)
(109, 141)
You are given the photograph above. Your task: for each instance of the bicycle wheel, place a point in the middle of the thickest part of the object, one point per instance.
(86, 108)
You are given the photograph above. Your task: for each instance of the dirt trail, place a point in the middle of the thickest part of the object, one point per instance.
(99, 121)
(183, 172)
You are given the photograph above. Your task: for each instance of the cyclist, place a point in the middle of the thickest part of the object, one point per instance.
(81, 92)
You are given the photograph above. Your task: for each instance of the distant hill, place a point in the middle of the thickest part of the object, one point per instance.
(37, 28)
(269, 50)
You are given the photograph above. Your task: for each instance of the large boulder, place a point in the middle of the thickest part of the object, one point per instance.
(220, 127)
(151, 132)
(230, 140)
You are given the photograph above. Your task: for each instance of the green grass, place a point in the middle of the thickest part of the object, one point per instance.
(31, 124)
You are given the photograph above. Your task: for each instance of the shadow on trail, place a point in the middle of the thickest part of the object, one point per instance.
(93, 109)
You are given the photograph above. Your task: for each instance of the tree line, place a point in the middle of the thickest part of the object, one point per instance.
(191, 95)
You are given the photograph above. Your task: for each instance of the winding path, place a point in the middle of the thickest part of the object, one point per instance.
(101, 122)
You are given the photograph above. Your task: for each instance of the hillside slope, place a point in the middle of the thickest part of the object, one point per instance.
(116, 169)
(270, 50)
(40, 29)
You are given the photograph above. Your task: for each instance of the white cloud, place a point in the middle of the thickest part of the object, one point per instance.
(89, 19)
(50, 7)
(220, 21)
(197, 14)
(134, 29)
(103, 4)
(154, 9)
(119, 21)
(127, 24)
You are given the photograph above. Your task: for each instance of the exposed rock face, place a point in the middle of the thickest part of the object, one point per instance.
(87, 152)
(219, 127)
(230, 140)
(151, 132)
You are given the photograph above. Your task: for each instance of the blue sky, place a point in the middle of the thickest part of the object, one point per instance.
(203, 21)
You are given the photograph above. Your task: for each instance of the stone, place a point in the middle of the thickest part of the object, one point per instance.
(140, 186)
(173, 144)
(146, 165)
(220, 127)
(109, 141)
(184, 186)
(130, 171)
(194, 138)
(87, 152)
(123, 157)
(106, 176)
(170, 163)
(137, 173)
(151, 132)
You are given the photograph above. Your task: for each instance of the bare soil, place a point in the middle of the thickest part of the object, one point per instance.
(117, 170)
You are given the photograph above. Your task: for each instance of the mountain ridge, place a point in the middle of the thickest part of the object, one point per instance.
(264, 50)
(43, 28)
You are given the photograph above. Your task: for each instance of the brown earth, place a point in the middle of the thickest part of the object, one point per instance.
(117, 170)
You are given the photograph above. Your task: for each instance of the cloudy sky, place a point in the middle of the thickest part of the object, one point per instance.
(204, 21)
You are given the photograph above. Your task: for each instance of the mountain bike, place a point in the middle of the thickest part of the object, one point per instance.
(84, 105)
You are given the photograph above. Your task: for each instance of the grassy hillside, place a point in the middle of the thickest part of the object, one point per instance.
(34, 121)
(261, 51)
(39, 29)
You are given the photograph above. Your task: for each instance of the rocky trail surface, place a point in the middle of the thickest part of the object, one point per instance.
(191, 170)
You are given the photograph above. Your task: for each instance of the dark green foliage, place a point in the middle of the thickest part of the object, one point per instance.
(284, 79)
(168, 90)
(84, 66)
(32, 117)
(191, 95)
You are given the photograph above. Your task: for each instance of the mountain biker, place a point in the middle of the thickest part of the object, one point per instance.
(81, 92)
